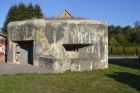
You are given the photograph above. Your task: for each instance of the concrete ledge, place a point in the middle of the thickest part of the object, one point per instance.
(61, 65)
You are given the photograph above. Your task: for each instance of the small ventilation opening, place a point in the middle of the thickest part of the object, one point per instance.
(75, 47)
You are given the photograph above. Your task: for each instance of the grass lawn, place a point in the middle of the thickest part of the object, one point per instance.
(119, 78)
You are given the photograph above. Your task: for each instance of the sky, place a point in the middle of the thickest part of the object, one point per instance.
(113, 12)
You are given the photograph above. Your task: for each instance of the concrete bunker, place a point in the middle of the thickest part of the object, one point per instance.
(59, 45)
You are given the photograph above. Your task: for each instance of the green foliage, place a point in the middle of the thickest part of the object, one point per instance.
(137, 24)
(109, 50)
(126, 51)
(112, 30)
(22, 12)
(113, 41)
(117, 51)
(37, 11)
(138, 50)
(119, 29)
(130, 51)
(127, 29)
(135, 38)
(124, 36)
(121, 39)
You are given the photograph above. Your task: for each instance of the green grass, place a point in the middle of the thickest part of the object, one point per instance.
(116, 79)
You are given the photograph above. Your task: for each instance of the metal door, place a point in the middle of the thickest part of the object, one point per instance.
(23, 56)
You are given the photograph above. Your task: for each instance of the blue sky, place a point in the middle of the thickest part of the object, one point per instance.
(116, 12)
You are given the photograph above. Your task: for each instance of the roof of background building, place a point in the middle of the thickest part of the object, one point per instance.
(64, 15)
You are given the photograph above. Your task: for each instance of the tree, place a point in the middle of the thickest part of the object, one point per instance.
(10, 16)
(111, 30)
(30, 11)
(137, 24)
(37, 11)
(22, 12)
(113, 41)
(127, 29)
(119, 29)
(135, 38)
(124, 36)
(121, 39)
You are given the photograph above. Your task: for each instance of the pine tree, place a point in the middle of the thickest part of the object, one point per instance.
(30, 11)
(37, 11)
(22, 12)
(10, 17)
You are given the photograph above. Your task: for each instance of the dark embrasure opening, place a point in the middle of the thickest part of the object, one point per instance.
(75, 47)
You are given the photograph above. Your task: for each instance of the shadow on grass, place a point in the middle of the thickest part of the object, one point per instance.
(126, 62)
(131, 80)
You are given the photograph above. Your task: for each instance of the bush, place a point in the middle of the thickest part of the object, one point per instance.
(130, 51)
(138, 50)
(109, 50)
(117, 51)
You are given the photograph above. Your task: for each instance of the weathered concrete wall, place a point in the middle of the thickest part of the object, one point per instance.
(86, 40)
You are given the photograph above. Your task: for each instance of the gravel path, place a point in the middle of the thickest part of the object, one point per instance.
(6, 68)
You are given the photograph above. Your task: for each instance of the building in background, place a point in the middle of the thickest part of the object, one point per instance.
(3, 43)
